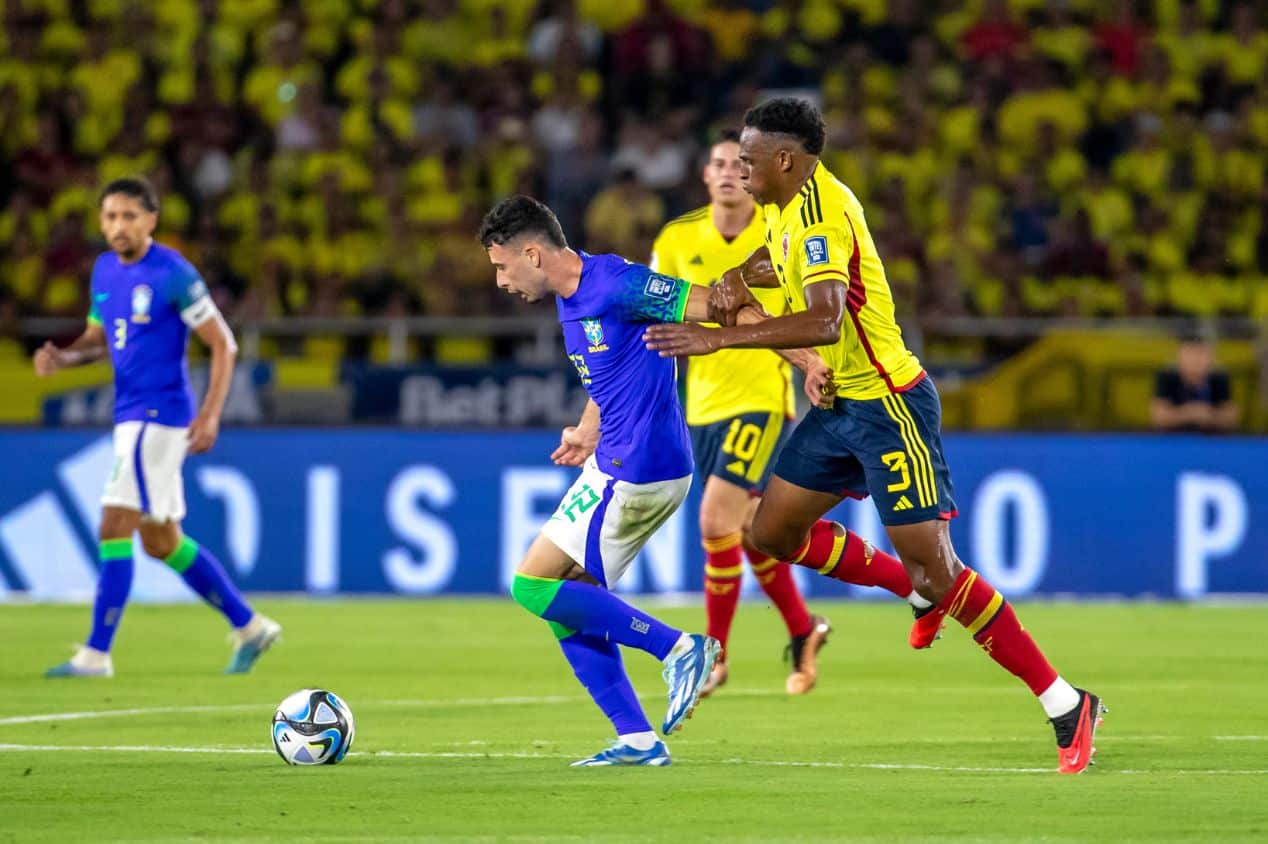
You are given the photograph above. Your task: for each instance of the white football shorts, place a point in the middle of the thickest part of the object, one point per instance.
(602, 523)
(147, 470)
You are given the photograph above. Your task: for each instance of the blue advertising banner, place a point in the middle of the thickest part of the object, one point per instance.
(422, 513)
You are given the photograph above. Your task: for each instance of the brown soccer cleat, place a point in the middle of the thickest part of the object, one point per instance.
(805, 651)
(927, 627)
(717, 677)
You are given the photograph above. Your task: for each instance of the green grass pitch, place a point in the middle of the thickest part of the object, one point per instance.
(467, 717)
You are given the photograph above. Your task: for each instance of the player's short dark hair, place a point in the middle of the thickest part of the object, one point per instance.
(793, 117)
(137, 187)
(517, 215)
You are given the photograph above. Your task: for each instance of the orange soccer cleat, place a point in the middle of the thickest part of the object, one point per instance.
(927, 627)
(717, 678)
(1076, 731)
(805, 652)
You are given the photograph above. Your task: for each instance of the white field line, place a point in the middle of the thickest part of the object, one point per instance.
(781, 763)
(419, 703)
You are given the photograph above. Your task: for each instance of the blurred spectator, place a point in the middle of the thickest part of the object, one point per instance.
(624, 218)
(1193, 396)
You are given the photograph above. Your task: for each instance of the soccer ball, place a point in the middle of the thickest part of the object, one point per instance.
(313, 727)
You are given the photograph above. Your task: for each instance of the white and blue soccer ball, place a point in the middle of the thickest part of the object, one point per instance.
(313, 727)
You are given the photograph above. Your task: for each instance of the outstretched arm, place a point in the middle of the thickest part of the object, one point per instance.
(88, 347)
(818, 325)
(578, 442)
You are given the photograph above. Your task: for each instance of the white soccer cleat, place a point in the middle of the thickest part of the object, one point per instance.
(87, 662)
(253, 640)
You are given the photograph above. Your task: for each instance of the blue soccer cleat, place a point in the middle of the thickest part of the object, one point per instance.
(685, 674)
(622, 754)
(85, 663)
(255, 639)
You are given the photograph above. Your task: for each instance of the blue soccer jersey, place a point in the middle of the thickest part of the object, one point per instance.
(643, 433)
(146, 309)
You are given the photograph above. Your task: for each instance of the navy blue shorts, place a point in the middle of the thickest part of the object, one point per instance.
(889, 448)
(740, 449)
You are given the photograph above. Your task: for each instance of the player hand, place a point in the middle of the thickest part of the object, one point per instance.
(47, 359)
(575, 446)
(727, 296)
(203, 432)
(681, 339)
(820, 387)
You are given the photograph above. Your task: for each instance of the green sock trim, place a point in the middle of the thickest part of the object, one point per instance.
(183, 556)
(115, 549)
(535, 594)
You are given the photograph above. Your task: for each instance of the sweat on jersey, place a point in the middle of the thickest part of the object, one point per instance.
(643, 435)
(146, 309)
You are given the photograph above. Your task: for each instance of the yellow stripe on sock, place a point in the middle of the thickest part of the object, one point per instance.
(764, 566)
(960, 598)
(838, 545)
(805, 549)
(985, 615)
(722, 543)
(724, 573)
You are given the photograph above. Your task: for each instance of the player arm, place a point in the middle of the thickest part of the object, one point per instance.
(578, 442)
(204, 318)
(88, 347)
(818, 325)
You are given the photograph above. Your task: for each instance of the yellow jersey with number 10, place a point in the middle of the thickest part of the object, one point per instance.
(732, 381)
(821, 236)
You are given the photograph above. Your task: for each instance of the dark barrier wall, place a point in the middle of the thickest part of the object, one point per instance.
(420, 513)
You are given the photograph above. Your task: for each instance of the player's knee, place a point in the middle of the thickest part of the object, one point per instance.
(160, 547)
(533, 593)
(774, 543)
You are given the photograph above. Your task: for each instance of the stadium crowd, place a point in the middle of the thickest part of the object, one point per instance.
(328, 157)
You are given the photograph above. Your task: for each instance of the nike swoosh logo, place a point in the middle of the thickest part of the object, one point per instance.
(101, 297)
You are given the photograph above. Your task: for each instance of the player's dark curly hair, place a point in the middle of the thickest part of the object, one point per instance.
(793, 117)
(137, 187)
(517, 215)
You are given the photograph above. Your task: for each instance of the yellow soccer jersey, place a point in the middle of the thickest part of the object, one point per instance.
(732, 381)
(819, 236)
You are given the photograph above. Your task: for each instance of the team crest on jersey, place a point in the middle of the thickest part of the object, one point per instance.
(142, 297)
(594, 335)
(816, 250)
(784, 243)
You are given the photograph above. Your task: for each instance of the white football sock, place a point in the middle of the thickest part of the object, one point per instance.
(639, 741)
(89, 659)
(680, 647)
(918, 602)
(1059, 698)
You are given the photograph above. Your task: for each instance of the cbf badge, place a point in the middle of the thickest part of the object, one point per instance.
(142, 296)
(784, 243)
(594, 335)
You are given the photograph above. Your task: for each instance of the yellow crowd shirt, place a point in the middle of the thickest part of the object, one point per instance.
(733, 381)
(821, 236)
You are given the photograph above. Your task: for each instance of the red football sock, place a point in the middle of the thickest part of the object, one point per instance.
(723, 568)
(843, 555)
(776, 580)
(991, 621)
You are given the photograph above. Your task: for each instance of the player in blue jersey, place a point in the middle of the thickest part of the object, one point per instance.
(634, 475)
(145, 300)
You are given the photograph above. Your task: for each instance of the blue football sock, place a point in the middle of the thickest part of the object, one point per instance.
(204, 574)
(596, 612)
(113, 585)
(597, 664)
